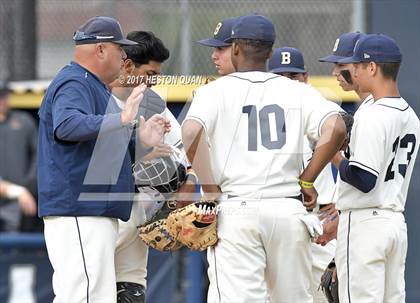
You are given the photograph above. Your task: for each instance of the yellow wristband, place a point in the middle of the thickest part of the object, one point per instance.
(306, 184)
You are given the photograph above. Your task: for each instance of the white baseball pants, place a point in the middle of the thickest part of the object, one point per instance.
(263, 253)
(81, 251)
(131, 252)
(370, 257)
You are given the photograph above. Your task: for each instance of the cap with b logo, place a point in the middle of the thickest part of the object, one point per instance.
(221, 32)
(101, 29)
(253, 27)
(343, 47)
(286, 60)
(377, 48)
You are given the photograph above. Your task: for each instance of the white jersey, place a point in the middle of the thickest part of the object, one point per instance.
(368, 100)
(255, 123)
(384, 141)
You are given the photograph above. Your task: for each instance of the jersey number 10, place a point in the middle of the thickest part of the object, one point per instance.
(402, 168)
(263, 116)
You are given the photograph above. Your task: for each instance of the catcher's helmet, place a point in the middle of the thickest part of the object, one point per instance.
(165, 174)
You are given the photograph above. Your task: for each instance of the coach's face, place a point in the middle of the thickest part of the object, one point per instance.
(221, 57)
(112, 56)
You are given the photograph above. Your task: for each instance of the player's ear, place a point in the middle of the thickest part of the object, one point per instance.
(305, 77)
(129, 66)
(373, 68)
(235, 49)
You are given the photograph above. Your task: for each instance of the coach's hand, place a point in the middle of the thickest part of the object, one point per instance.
(151, 131)
(131, 108)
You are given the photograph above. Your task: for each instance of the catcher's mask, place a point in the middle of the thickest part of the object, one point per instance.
(165, 174)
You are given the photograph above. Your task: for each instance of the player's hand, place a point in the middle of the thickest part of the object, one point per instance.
(132, 104)
(327, 211)
(151, 131)
(212, 192)
(160, 150)
(186, 194)
(309, 197)
(330, 230)
(27, 203)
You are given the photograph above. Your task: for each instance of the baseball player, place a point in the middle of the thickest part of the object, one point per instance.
(221, 49)
(373, 182)
(343, 47)
(143, 61)
(245, 142)
(289, 62)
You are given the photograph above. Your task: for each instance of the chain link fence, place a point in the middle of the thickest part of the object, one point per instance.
(311, 26)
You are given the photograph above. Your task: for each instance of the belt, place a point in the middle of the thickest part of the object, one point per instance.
(298, 197)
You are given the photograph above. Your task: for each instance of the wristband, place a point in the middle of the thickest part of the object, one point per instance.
(306, 184)
(14, 191)
(191, 176)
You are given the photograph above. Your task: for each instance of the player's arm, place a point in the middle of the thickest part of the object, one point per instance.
(198, 153)
(196, 128)
(333, 133)
(368, 144)
(324, 125)
(362, 179)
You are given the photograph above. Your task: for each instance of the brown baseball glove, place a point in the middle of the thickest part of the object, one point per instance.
(194, 225)
(329, 283)
(155, 231)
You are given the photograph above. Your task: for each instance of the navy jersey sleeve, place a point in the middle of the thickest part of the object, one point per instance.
(73, 114)
(362, 179)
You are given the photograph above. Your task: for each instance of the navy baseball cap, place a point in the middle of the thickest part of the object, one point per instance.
(343, 47)
(101, 29)
(377, 48)
(221, 33)
(286, 60)
(253, 27)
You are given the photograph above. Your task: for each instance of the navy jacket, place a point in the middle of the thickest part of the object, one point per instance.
(84, 154)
